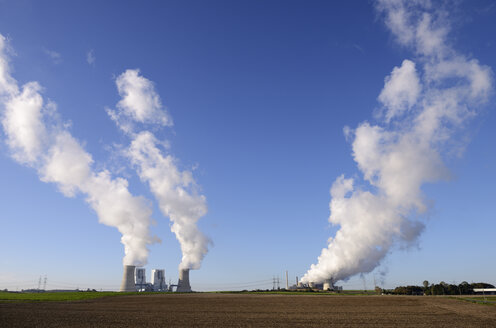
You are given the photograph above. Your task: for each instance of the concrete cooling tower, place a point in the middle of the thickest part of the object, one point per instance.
(183, 283)
(128, 284)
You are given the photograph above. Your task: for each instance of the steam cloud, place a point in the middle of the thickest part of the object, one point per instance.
(424, 104)
(176, 191)
(37, 138)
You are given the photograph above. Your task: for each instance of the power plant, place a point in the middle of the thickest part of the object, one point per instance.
(183, 282)
(128, 284)
(158, 280)
(327, 285)
(134, 280)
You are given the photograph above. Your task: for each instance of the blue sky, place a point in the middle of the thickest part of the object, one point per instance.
(259, 92)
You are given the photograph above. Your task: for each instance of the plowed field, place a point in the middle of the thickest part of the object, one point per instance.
(244, 310)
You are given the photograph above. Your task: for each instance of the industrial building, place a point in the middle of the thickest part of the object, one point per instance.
(485, 291)
(158, 280)
(134, 279)
(327, 285)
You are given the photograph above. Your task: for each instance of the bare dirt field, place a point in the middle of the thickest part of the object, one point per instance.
(247, 310)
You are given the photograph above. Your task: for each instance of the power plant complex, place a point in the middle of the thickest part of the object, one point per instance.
(134, 280)
(327, 285)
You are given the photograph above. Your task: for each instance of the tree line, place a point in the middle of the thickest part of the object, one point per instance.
(442, 288)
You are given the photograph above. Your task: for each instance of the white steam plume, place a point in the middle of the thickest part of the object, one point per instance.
(176, 191)
(424, 106)
(37, 138)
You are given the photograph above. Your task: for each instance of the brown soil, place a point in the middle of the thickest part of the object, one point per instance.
(242, 310)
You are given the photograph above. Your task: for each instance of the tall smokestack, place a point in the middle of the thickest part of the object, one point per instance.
(183, 283)
(128, 284)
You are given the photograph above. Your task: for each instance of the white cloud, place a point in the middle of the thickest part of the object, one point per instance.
(21, 121)
(397, 160)
(53, 55)
(37, 138)
(175, 190)
(7, 84)
(90, 57)
(401, 90)
(140, 102)
(176, 193)
(425, 31)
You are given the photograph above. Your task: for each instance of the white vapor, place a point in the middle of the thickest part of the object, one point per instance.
(54, 56)
(401, 90)
(37, 138)
(90, 57)
(424, 106)
(139, 104)
(176, 191)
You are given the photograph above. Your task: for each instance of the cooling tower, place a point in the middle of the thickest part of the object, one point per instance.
(127, 284)
(183, 283)
(328, 284)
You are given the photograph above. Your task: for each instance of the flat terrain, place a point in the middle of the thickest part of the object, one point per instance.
(249, 310)
(56, 296)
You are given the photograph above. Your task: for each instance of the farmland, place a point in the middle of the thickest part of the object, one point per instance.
(243, 310)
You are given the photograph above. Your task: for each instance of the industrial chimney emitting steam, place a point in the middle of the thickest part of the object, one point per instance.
(128, 284)
(183, 282)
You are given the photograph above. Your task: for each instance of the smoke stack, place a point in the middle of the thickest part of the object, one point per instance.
(128, 284)
(183, 283)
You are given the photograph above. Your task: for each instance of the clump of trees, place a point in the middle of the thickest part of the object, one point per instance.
(408, 290)
(440, 289)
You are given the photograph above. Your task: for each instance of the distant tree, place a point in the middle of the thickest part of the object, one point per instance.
(437, 289)
(465, 288)
(408, 290)
(481, 285)
(378, 290)
(451, 289)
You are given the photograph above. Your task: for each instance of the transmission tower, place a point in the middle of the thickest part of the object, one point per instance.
(44, 283)
(39, 283)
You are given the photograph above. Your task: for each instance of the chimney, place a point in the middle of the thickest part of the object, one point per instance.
(183, 283)
(127, 284)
